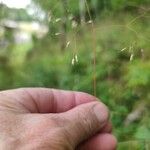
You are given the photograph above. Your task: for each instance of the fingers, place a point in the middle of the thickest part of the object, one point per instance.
(85, 121)
(43, 100)
(107, 128)
(103, 141)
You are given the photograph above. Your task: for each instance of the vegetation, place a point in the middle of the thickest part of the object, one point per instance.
(64, 59)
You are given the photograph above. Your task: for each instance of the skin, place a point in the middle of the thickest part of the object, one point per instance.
(49, 119)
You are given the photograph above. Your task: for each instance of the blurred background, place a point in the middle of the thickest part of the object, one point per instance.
(97, 46)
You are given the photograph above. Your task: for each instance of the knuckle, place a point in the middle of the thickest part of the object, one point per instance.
(86, 121)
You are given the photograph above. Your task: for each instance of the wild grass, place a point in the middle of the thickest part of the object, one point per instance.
(121, 70)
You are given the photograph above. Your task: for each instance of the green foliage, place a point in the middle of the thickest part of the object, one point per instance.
(55, 6)
(136, 79)
(143, 133)
(124, 4)
(132, 145)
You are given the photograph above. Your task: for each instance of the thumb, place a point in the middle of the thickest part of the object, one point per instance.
(84, 121)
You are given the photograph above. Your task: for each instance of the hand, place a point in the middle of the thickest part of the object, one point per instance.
(48, 119)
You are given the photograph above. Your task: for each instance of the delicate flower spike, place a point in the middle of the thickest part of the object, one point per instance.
(90, 21)
(131, 57)
(123, 49)
(73, 61)
(57, 34)
(74, 24)
(76, 58)
(58, 19)
(68, 43)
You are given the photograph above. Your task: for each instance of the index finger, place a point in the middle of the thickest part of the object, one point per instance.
(44, 100)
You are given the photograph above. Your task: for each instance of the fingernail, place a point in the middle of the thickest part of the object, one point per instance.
(101, 113)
